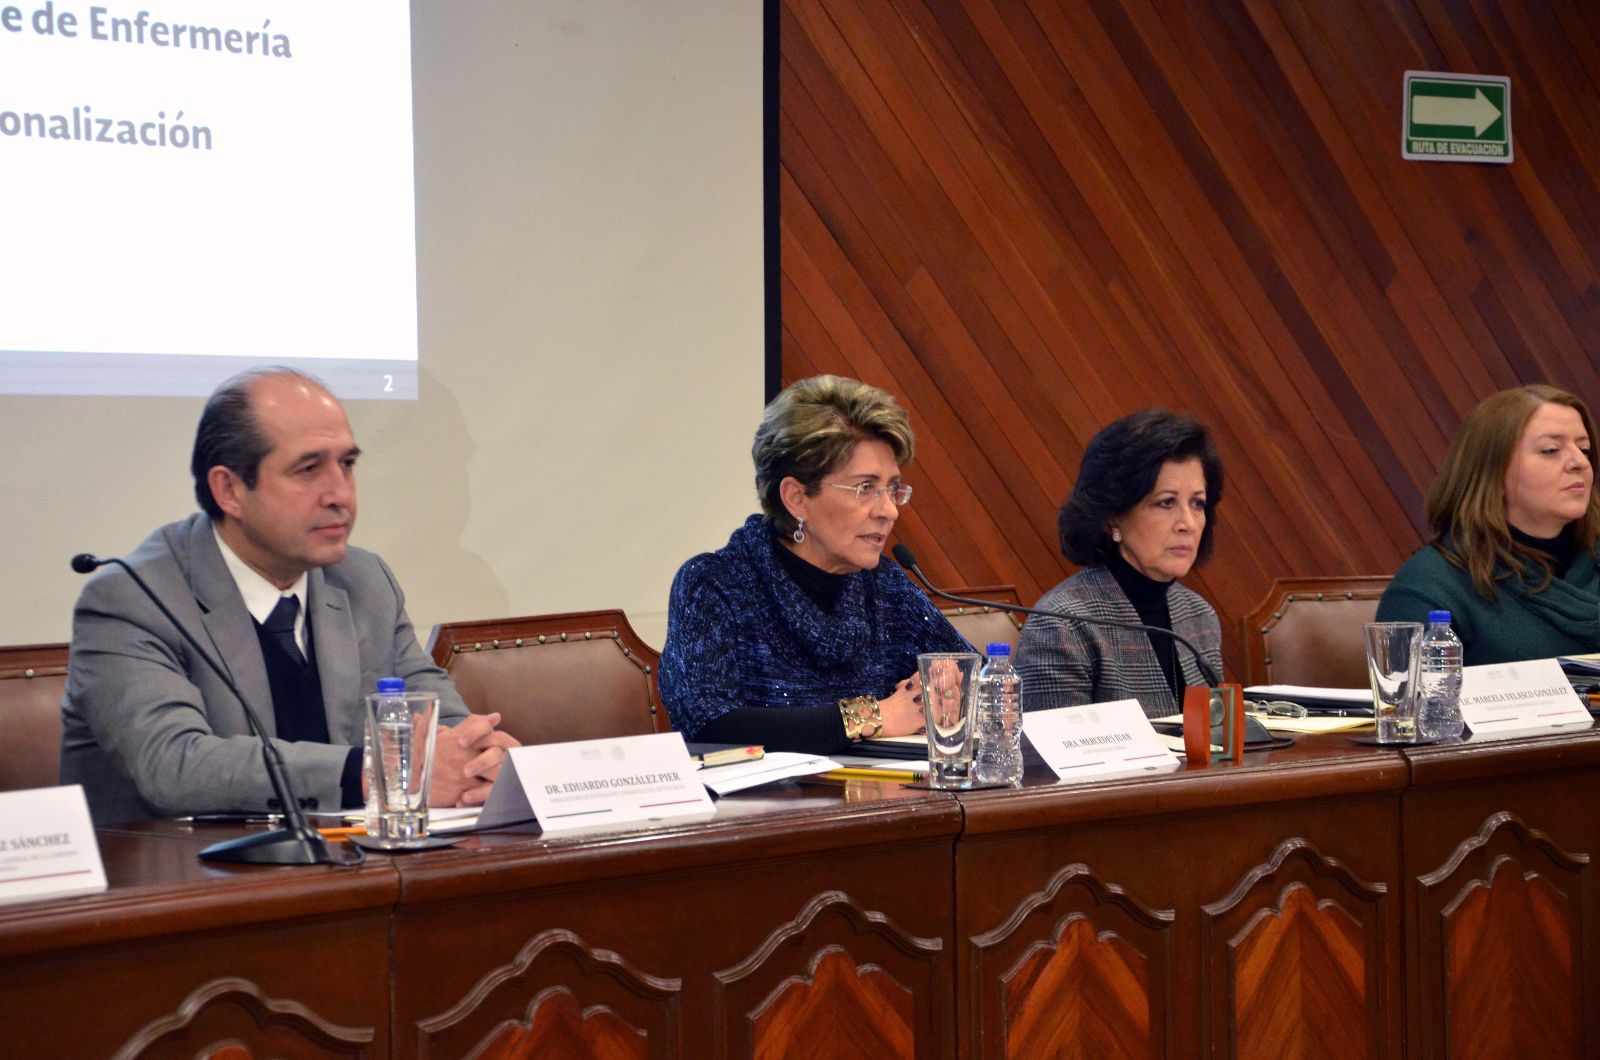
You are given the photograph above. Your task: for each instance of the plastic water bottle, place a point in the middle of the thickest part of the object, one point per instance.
(385, 710)
(999, 753)
(1439, 681)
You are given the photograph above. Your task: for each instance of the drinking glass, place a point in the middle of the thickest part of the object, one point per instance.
(949, 690)
(402, 728)
(1393, 656)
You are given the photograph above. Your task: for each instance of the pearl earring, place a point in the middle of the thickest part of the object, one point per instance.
(799, 534)
(1116, 535)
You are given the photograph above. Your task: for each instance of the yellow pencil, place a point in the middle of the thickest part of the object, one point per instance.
(333, 833)
(905, 776)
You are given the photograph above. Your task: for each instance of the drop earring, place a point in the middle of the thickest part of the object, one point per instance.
(799, 534)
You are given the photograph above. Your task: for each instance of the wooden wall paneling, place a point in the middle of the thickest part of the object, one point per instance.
(1513, 300)
(1526, 54)
(1247, 172)
(938, 460)
(1318, 336)
(1295, 420)
(1047, 516)
(944, 446)
(1029, 218)
(1573, 38)
(1236, 479)
(956, 386)
(1276, 516)
(1345, 56)
(1350, 217)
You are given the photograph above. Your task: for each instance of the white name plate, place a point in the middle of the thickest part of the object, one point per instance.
(586, 783)
(1520, 698)
(1097, 739)
(47, 845)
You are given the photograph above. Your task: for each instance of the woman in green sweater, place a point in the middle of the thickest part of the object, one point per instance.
(1515, 520)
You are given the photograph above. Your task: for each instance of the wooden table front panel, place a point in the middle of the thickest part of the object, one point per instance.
(183, 959)
(1502, 902)
(314, 989)
(1268, 930)
(822, 951)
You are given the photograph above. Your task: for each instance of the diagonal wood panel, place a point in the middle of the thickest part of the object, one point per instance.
(1300, 982)
(1508, 940)
(1027, 218)
(1089, 996)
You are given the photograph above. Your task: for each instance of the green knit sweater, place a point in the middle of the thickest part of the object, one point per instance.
(1517, 624)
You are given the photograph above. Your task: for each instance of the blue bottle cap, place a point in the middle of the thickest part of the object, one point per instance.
(391, 684)
(998, 648)
(1438, 616)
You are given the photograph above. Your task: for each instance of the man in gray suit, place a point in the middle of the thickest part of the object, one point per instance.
(304, 624)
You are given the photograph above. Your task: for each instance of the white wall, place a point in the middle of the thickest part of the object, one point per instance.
(590, 279)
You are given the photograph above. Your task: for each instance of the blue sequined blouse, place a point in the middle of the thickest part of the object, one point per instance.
(741, 633)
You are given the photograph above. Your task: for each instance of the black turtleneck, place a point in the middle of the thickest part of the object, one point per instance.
(1149, 599)
(1561, 549)
(821, 587)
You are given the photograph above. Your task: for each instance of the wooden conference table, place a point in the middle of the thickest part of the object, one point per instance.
(1326, 900)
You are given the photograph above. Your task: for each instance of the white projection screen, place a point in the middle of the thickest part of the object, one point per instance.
(560, 220)
(204, 186)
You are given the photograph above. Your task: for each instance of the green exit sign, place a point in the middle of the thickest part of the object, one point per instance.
(1456, 117)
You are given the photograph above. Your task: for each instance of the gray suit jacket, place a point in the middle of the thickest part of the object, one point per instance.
(149, 730)
(1065, 664)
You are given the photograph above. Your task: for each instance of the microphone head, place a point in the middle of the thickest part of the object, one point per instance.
(904, 556)
(83, 563)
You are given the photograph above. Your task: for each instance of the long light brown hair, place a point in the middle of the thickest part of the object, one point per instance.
(1467, 505)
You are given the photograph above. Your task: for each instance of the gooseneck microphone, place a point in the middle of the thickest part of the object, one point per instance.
(299, 843)
(904, 556)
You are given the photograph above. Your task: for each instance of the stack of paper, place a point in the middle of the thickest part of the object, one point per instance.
(776, 766)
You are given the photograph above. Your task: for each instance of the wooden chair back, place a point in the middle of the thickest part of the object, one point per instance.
(579, 676)
(985, 625)
(33, 678)
(1308, 631)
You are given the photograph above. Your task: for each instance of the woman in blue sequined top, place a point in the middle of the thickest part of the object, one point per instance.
(796, 635)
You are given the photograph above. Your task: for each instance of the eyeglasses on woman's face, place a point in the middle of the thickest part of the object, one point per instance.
(867, 492)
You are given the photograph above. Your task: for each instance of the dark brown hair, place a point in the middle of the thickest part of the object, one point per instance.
(1119, 469)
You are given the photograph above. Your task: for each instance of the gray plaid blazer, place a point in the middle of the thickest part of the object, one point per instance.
(1065, 664)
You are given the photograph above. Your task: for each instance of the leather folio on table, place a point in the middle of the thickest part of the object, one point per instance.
(1361, 898)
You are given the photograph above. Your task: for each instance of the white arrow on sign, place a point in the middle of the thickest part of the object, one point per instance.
(1475, 111)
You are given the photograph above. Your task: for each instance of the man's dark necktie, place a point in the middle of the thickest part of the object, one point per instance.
(281, 625)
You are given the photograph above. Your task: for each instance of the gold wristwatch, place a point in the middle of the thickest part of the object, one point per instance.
(863, 717)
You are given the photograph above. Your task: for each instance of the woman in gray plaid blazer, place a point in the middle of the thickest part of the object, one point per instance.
(1140, 515)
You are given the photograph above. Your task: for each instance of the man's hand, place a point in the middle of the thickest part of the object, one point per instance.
(466, 759)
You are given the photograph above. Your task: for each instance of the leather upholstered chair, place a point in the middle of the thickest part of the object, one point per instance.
(579, 676)
(32, 681)
(1308, 631)
(985, 625)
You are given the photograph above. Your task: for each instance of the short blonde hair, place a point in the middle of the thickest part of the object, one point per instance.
(809, 431)
(1466, 507)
